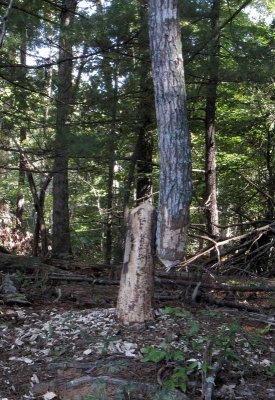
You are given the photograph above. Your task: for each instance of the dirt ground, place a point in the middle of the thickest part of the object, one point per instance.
(69, 345)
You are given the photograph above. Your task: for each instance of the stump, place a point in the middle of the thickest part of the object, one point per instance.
(135, 298)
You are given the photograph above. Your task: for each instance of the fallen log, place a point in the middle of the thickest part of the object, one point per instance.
(231, 304)
(12, 263)
(223, 288)
(180, 282)
(107, 387)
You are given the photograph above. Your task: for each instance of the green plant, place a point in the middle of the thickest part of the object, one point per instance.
(271, 370)
(164, 353)
(176, 312)
(178, 379)
(226, 338)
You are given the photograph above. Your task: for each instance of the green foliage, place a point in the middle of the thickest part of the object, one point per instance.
(165, 353)
(115, 40)
(271, 370)
(176, 312)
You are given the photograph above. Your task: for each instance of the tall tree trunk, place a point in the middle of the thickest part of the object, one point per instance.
(145, 110)
(40, 230)
(23, 135)
(111, 84)
(270, 158)
(174, 140)
(112, 91)
(211, 207)
(119, 249)
(61, 242)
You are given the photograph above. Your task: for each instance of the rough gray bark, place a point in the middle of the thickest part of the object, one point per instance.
(174, 141)
(135, 298)
(211, 206)
(61, 243)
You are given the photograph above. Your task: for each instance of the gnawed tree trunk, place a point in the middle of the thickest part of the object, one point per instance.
(61, 242)
(174, 141)
(135, 298)
(211, 207)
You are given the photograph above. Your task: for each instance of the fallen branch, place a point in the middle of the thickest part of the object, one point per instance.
(231, 304)
(89, 385)
(266, 228)
(210, 380)
(222, 288)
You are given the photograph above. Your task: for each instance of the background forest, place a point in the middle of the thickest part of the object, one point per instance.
(78, 139)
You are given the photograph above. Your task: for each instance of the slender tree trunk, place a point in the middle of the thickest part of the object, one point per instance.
(174, 140)
(119, 249)
(39, 208)
(270, 162)
(23, 135)
(61, 242)
(144, 115)
(111, 84)
(211, 206)
(40, 230)
(111, 167)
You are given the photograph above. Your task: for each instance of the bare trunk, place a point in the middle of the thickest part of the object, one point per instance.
(40, 230)
(211, 206)
(61, 220)
(23, 134)
(145, 111)
(135, 299)
(271, 174)
(174, 141)
(118, 253)
(111, 167)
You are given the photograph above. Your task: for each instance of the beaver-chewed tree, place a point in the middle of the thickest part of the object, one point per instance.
(135, 299)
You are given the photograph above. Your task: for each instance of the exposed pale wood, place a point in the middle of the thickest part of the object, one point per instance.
(135, 299)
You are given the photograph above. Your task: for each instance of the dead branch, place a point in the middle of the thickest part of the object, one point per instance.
(231, 304)
(210, 380)
(222, 288)
(247, 241)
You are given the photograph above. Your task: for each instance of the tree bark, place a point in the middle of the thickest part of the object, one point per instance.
(135, 299)
(61, 242)
(211, 205)
(174, 140)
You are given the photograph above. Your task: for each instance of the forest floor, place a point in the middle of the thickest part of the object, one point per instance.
(68, 345)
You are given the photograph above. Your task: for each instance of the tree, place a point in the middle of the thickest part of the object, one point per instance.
(174, 141)
(61, 219)
(135, 298)
(211, 206)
